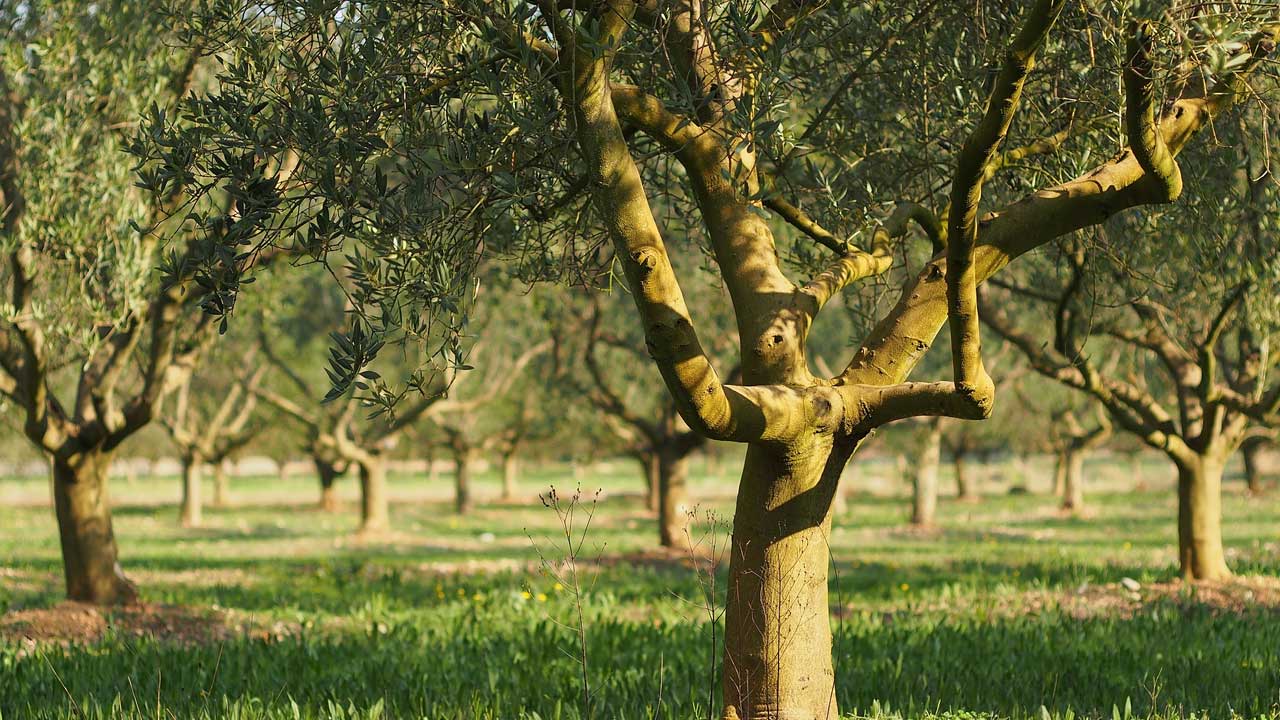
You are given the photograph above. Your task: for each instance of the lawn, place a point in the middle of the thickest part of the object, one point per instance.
(275, 610)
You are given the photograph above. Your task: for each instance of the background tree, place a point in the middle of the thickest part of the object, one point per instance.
(208, 425)
(1214, 261)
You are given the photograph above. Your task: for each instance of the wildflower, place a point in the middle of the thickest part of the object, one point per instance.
(557, 587)
(526, 595)
(477, 597)
(904, 587)
(542, 597)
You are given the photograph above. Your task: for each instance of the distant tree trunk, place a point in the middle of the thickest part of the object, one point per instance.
(510, 475)
(1060, 472)
(282, 470)
(924, 506)
(965, 489)
(653, 480)
(192, 514)
(1200, 554)
(89, 557)
(1250, 449)
(328, 475)
(1072, 471)
(374, 514)
(221, 486)
(462, 500)
(673, 516)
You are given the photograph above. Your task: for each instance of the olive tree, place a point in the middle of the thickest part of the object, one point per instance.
(437, 135)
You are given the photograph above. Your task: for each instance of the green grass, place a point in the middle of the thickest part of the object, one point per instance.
(451, 618)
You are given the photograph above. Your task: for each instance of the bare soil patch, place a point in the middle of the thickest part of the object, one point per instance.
(77, 623)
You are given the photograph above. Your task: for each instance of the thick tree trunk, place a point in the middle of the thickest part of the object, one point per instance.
(777, 662)
(221, 486)
(1072, 471)
(328, 475)
(924, 491)
(1249, 452)
(462, 501)
(374, 514)
(510, 476)
(673, 518)
(965, 489)
(89, 557)
(192, 512)
(1200, 555)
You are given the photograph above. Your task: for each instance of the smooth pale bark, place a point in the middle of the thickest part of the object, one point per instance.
(924, 505)
(374, 513)
(192, 510)
(1250, 451)
(965, 489)
(777, 617)
(462, 501)
(1200, 555)
(328, 475)
(1072, 464)
(221, 486)
(510, 476)
(90, 560)
(673, 517)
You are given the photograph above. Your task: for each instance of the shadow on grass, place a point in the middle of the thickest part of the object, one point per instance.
(498, 664)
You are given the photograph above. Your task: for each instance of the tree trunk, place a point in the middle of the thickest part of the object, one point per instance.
(328, 475)
(510, 475)
(673, 518)
(1072, 471)
(777, 661)
(1249, 452)
(282, 470)
(89, 557)
(374, 515)
(1060, 473)
(221, 486)
(924, 505)
(653, 481)
(964, 483)
(1200, 555)
(462, 501)
(192, 513)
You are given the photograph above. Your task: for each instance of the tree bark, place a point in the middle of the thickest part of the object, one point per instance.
(221, 486)
(90, 560)
(673, 519)
(510, 475)
(192, 512)
(1200, 555)
(778, 661)
(964, 483)
(1250, 449)
(328, 475)
(462, 500)
(924, 505)
(1072, 471)
(1060, 473)
(374, 514)
(653, 481)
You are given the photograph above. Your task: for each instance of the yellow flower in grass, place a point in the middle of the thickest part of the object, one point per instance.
(904, 587)
(557, 587)
(526, 595)
(542, 597)
(477, 597)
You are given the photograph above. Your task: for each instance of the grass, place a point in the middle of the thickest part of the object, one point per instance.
(1009, 611)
